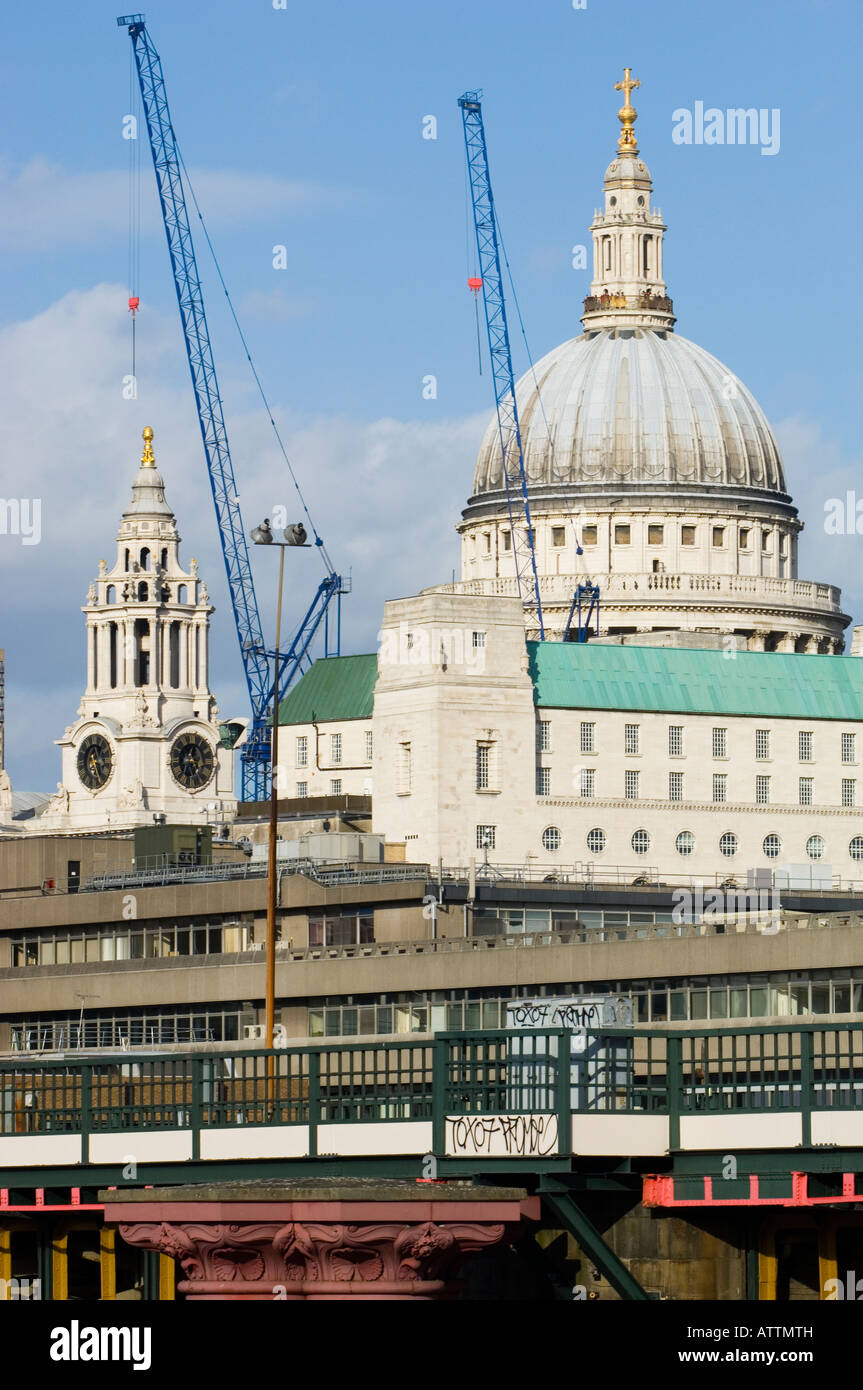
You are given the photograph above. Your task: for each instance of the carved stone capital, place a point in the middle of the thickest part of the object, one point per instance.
(298, 1260)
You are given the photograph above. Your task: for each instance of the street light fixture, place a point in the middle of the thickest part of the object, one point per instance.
(295, 538)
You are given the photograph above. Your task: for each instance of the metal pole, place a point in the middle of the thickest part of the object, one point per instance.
(272, 875)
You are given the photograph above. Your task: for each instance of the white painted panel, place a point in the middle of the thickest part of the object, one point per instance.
(776, 1131)
(253, 1141)
(29, 1150)
(501, 1136)
(385, 1137)
(620, 1134)
(843, 1127)
(144, 1146)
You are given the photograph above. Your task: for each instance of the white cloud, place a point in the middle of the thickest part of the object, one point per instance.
(43, 205)
(817, 470)
(385, 495)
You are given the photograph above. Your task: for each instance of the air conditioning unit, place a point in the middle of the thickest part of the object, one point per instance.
(254, 1032)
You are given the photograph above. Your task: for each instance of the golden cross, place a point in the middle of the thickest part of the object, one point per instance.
(627, 114)
(627, 85)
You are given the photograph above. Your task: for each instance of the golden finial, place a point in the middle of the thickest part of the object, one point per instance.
(148, 458)
(627, 114)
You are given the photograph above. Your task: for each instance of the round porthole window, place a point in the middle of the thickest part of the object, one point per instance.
(551, 839)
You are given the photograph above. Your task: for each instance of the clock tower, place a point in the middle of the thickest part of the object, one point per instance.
(146, 741)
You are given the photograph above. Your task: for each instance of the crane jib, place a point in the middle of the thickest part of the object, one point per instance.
(500, 355)
(263, 689)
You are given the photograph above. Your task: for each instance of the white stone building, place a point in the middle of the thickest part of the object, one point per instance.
(145, 745)
(713, 727)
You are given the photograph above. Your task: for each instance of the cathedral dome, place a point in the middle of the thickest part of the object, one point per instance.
(636, 405)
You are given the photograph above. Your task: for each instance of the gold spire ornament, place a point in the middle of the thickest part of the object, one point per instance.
(148, 458)
(627, 114)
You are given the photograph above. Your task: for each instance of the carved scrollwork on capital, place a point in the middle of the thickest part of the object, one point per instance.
(313, 1259)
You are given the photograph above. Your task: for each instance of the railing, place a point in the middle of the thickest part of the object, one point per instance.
(324, 871)
(466, 1087)
(334, 873)
(557, 588)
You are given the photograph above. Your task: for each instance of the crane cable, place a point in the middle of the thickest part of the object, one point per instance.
(558, 476)
(133, 270)
(318, 542)
(471, 264)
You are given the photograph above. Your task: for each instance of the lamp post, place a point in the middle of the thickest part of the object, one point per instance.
(295, 536)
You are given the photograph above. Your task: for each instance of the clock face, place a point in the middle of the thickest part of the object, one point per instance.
(95, 761)
(192, 761)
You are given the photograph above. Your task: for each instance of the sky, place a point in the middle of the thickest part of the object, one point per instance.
(303, 127)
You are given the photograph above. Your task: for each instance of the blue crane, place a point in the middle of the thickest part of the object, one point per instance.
(586, 596)
(500, 355)
(263, 682)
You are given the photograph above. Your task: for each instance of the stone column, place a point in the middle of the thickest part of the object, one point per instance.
(787, 642)
(758, 640)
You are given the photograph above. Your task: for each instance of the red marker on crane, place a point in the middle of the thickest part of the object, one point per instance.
(474, 283)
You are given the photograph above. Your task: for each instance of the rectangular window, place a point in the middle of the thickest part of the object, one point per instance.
(687, 535)
(335, 748)
(630, 738)
(486, 540)
(675, 786)
(302, 751)
(765, 541)
(370, 744)
(336, 786)
(302, 789)
(675, 741)
(587, 781)
(630, 786)
(804, 741)
(720, 786)
(655, 535)
(720, 743)
(849, 751)
(404, 770)
(805, 790)
(589, 535)
(507, 540)
(485, 836)
(588, 738)
(762, 744)
(543, 741)
(341, 929)
(744, 538)
(477, 641)
(719, 535)
(558, 535)
(849, 789)
(543, 781)
(482, 758)
(621, 534)
(762, 791)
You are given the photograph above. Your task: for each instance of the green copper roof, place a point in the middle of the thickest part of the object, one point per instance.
(778, 685)
(336, 687)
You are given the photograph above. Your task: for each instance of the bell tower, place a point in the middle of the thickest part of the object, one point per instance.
(627, 290)
(146, 742)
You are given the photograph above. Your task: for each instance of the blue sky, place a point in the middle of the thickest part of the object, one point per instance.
(303, 127)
